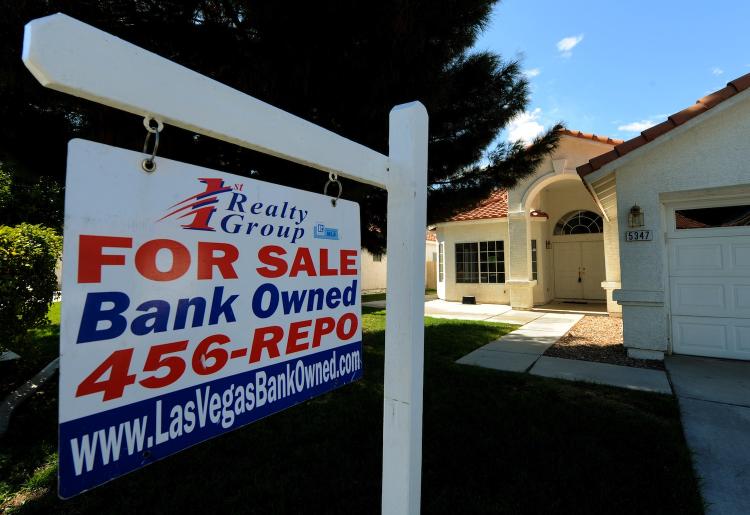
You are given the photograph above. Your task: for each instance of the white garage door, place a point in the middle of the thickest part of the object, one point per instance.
(709, 278)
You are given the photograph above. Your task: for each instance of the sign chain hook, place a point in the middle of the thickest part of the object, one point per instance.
(153, 126)
(333, 179)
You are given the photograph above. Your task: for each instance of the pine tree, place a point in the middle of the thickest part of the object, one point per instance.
(340, 64)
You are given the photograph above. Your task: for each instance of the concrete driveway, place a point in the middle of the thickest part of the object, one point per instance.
(714, 398)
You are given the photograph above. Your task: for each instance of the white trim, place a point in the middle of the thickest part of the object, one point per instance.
(707, 201)
(542, 182)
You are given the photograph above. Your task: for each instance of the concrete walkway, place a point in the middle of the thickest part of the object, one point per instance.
(522, 351)
(714, 397)
(519, 350)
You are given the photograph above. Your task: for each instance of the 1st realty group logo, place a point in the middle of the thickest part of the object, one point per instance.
(236, 215)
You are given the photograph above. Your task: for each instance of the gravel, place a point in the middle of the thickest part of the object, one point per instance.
(598, 338)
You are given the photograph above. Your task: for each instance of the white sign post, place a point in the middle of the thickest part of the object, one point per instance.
(70, 56)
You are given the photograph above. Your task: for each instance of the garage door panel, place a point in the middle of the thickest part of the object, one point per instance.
(709, 288)
(742, 339)
(740, 253)
(741, 299)
(700, 256)
(699, 336)
(694, 297)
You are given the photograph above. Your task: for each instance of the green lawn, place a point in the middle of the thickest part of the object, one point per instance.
(493, 443)
(369, 297)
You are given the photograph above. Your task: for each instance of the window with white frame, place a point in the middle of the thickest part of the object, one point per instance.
(533, 261)
(480, 262)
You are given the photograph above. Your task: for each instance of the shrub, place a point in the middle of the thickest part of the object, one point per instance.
(28, 255)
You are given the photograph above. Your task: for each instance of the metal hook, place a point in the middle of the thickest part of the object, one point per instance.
(333, 179)
(149, 164)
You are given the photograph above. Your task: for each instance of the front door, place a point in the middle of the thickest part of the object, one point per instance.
(579, 270)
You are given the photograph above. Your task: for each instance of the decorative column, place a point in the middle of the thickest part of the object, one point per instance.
(518, 254)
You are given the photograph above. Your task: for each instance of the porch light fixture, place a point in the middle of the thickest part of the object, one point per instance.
(635, 217)
(547, 245)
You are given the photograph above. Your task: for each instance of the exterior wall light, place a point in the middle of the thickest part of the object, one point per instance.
(635, 216)
(547, 245)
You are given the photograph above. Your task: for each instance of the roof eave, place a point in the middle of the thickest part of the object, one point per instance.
(676, 132)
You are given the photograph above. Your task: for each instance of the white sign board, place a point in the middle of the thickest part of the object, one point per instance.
(641, 235)
(194, 302)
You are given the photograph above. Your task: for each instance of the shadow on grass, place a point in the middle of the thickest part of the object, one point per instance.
(493, 443)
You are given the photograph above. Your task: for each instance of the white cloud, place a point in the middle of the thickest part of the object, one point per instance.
(637, 126)
(532, 72)
(566, 45)
(525, 126)
(717, 71)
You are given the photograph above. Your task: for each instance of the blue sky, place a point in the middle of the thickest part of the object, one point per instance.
(615, 68)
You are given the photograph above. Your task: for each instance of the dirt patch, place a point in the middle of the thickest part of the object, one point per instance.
(598, 338)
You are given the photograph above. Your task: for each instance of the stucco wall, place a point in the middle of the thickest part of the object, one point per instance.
(462, 232)
(373, 272)
(710, 154)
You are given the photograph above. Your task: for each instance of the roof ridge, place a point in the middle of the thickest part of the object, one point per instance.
(674, 120)
(591, 136)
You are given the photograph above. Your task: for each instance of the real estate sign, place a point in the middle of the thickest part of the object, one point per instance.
(194, 302)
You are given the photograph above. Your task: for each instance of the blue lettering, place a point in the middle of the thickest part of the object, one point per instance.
(292, 301)
(199, 312)
(333, 298)
(154, 322)
(94, 312)
(235, 228)
(237, 200)
(273, 302)
(218, 308)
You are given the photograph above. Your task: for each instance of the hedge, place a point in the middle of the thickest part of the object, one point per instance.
(28, 255)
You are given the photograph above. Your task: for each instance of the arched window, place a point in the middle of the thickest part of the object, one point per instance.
(579, 222)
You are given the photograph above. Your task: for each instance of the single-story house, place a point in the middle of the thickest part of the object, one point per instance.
(545, 239)
(658, 225)
(680, 195)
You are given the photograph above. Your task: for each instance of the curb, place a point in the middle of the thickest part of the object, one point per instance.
(20, 394)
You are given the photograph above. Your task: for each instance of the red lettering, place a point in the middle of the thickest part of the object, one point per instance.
(91, 259)
(324, 270)
(266, 338)
(207, 260)
(342, 333)
(348, 262)
(145, 260)
(269, 255)
(323, 326)
(302, 263)
(297, 332)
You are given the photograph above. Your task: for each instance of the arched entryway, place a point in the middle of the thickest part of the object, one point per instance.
(578, 254)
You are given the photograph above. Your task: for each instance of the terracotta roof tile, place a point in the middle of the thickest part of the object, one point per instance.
(657, 130)
(496, 206)
(624, 148)
(717, 97)
(593, 137)
(430, 236)
(686, 114)
(605, 158)
(740, 83)
(701, 106)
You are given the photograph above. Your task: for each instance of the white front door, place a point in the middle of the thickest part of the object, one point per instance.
(709, 287)
(579, 270)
